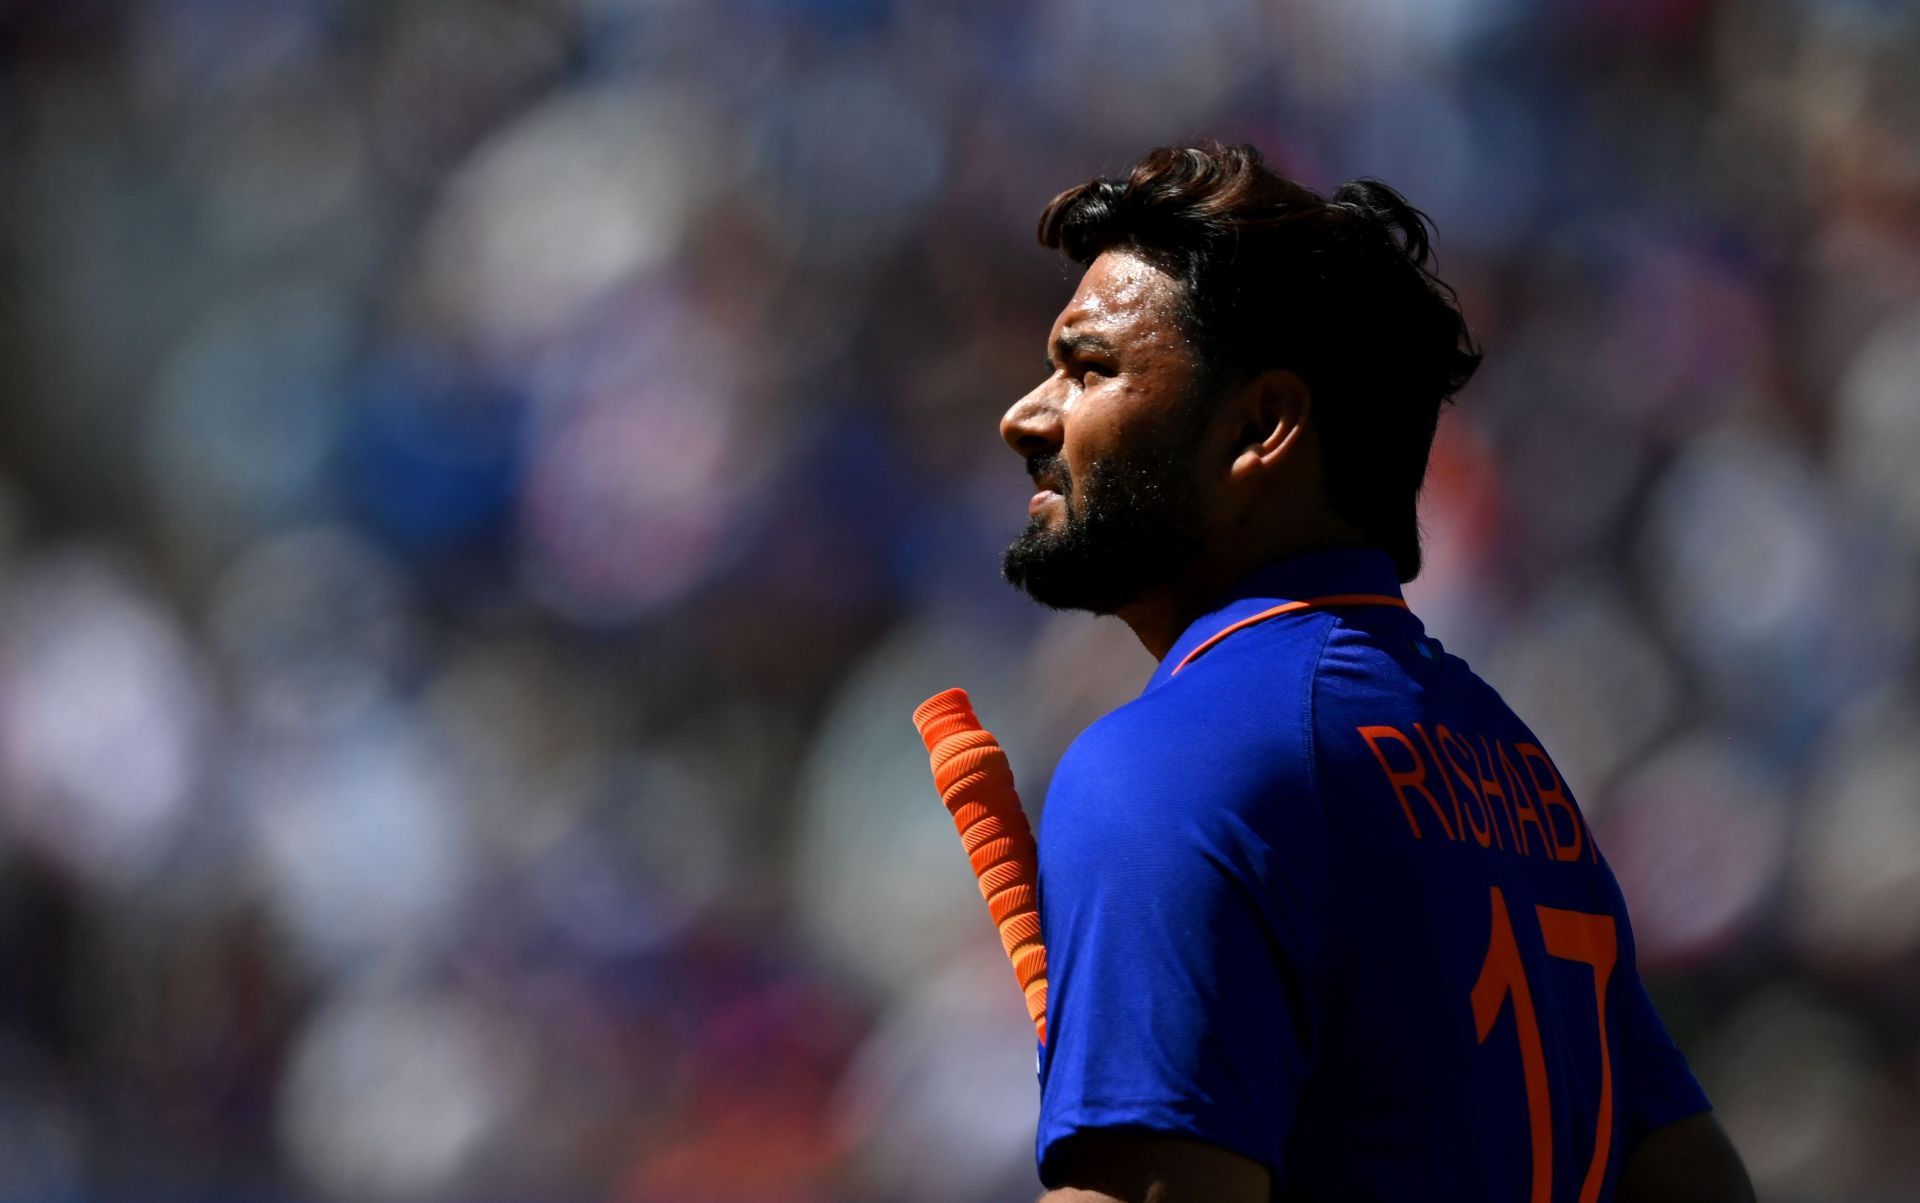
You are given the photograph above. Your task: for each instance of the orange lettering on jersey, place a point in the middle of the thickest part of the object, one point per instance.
(1523, 806)
(1433, 753)
(1454, 752)
(1490, 789)
(1553, 796)
(1402, 780)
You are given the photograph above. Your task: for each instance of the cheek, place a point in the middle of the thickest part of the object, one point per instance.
(1106, 420)
(1083, 444)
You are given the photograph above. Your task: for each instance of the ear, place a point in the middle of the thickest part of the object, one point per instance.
(1269, 415)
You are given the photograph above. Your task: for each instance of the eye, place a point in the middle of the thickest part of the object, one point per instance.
(1094, 371)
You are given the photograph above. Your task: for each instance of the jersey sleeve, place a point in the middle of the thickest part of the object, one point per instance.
(1660, 1088)
(1179, 902)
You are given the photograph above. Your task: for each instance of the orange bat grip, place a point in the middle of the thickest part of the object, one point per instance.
(976, 784)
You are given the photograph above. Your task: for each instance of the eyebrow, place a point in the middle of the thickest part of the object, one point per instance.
(1069, 345)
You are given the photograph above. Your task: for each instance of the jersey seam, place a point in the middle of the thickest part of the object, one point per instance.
(1308, 710)
(1316, 975)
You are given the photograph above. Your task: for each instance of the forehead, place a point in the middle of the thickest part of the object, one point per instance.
(1122, 296)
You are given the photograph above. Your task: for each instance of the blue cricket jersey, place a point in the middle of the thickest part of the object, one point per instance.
(1317, 896)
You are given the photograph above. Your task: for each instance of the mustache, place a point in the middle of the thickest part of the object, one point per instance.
(1050, 471)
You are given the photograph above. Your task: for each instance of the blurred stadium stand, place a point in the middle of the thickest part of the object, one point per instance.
(483, 484)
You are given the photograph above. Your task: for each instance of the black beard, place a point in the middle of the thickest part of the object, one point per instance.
(1134, 529)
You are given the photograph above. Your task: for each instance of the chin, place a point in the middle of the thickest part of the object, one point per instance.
(1051, 569)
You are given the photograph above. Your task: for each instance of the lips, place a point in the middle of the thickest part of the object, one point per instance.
(1048, 473)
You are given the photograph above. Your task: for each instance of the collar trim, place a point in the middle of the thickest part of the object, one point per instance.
(1292, 607)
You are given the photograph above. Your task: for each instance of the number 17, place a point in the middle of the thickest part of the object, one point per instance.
(1572, 936)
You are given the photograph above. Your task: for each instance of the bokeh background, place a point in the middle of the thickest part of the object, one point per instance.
(483, 484)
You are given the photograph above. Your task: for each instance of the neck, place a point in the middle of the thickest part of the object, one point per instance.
(1159, 616)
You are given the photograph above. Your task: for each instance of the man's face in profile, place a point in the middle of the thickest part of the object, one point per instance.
(1113, 440)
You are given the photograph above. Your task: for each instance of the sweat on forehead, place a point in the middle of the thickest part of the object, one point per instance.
(1122, 297)
(1120, 281)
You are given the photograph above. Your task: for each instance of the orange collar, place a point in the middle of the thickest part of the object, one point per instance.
(1293, 607)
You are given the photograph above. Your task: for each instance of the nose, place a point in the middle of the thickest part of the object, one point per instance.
(1032, 425)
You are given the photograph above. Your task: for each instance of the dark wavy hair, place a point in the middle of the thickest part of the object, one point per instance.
(1339, 289)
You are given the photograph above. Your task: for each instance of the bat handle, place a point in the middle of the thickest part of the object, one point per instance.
(976, 785)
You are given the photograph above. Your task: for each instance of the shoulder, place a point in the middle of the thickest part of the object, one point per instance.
(1227, 741)
(1194, 807)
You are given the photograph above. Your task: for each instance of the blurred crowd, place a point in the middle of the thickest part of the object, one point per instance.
(483, 485)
